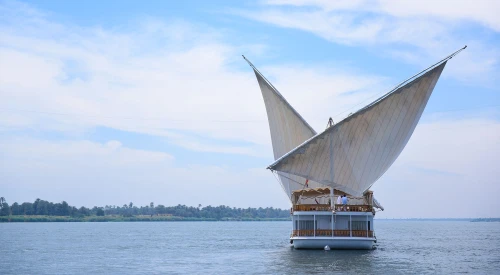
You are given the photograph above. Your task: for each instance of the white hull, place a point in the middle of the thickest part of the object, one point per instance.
(333, 243)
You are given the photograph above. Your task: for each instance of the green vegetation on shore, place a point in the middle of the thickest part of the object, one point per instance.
(113, 218)
(44, 211)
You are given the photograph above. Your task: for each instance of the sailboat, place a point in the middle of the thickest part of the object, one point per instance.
(317, 170)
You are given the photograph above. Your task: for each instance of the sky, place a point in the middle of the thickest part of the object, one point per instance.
(111, 102)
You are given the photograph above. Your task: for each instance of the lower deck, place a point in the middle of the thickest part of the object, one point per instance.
(338, 230)
(332, 233)
(321, 223)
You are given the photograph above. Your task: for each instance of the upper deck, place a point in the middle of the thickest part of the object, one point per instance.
(337, 207)
(323, 199)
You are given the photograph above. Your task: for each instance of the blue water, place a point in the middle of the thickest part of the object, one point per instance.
(241, 248)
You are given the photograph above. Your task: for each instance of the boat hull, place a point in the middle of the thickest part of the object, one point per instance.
(333, 243)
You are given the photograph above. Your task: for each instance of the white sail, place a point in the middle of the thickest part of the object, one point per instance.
(351, 155)
(288, 130)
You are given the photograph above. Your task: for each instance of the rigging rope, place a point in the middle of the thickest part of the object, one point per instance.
(402, 83)
(411, 79)
(297, 182)
(281, 183)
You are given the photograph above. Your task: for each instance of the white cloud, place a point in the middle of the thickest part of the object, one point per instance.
(418, 32)
(446, 167)
(482, 11)
(171, 79)
(178, 80)
(76, 153)
(89, 173)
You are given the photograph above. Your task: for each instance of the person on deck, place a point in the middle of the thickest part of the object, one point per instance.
(344, 202)
(339, 200)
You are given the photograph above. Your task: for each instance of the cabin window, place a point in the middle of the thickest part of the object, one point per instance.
(305, 225)
(359, 225)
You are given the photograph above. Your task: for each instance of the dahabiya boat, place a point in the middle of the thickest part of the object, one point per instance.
(346, 159)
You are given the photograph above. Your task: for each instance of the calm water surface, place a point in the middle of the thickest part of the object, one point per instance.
(241, 247)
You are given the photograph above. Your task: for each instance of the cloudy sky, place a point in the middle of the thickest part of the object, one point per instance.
(111, 102)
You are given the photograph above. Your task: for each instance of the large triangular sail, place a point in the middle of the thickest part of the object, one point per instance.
(288, 130)
(351, 155)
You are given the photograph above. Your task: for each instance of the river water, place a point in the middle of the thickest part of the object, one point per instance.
(241, 248)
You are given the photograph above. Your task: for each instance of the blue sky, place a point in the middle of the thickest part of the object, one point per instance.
(107, 102)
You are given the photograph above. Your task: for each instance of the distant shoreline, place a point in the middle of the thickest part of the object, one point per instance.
(45, 211)
(445, 219)
(155, 218)
(39, 218)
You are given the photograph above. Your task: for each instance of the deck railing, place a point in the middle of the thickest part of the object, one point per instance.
(354, 208)
(329, 232)
(312, 207)
(338, 207)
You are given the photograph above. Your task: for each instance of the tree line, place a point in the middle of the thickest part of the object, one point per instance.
(45, 208)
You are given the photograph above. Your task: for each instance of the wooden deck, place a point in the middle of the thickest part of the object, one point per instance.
(336, 233)
(338, 207)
